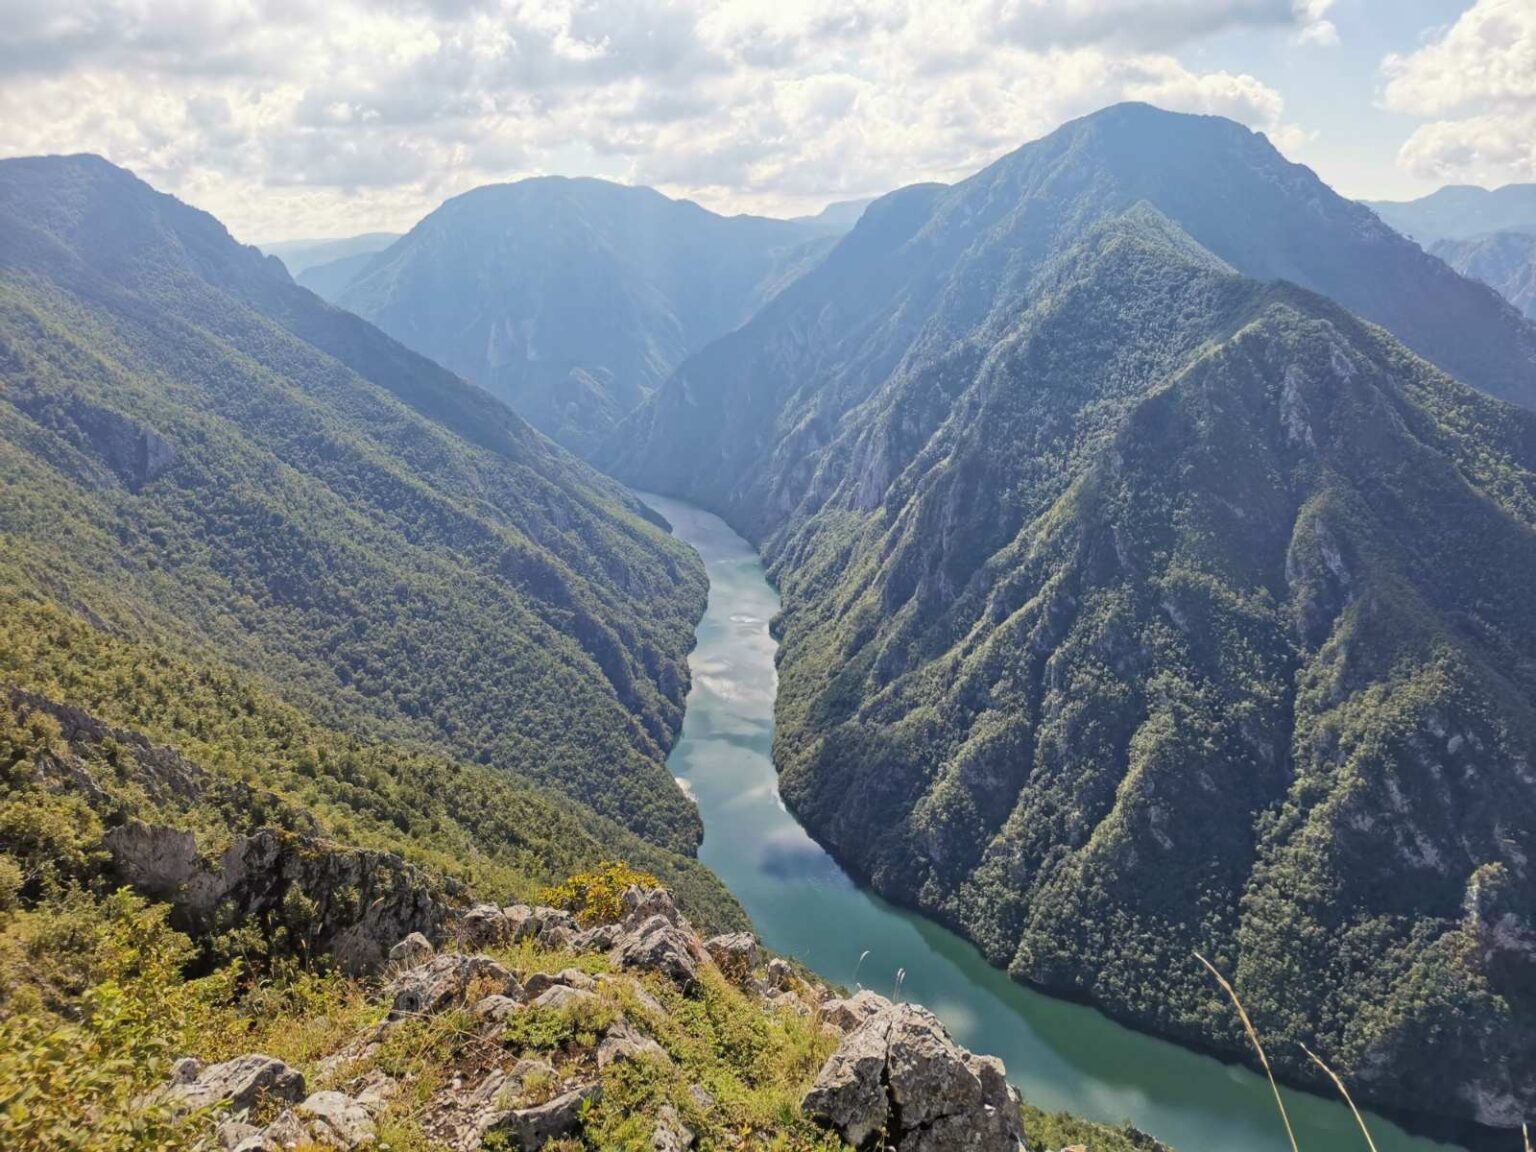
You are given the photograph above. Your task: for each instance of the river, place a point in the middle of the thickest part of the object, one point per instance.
(1061, 1056)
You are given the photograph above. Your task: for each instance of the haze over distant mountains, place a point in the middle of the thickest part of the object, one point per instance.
(1505, 261)
(300, 256)
(1137, 602)
(1461, 212)
(572, 299)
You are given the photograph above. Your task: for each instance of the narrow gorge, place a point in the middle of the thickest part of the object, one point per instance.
(1061, 1056)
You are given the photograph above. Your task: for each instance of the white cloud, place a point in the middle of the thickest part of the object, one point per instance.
(289, 118)
(1478, 78)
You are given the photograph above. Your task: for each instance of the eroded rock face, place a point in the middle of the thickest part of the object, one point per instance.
(549, 926)
(363, 901)
(899, 1081)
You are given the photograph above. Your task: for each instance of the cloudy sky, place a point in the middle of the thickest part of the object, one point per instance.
(292, 118)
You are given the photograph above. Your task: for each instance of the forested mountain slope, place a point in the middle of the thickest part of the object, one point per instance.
(1134, 605)
(198, 456)
(924, 262)
(572, 299)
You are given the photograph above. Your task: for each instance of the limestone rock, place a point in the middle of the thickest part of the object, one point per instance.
(231, 1135)
(443, 982)
(483, 926)
(561, 996)
(640, 904)
(540, 982)
(529, 1129)
(336, 1119)
(624, 1042)
(363, 900)
(551, 927)
(734, 953)
(496, 1008)
(414, 950)
(899, 1077)
(287, 1131)
(598, 939)
(239, 1083)
(847, 1014)
(657, 945)
(670, 1133)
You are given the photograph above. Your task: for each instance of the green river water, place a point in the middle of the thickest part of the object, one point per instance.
(1062, 1056)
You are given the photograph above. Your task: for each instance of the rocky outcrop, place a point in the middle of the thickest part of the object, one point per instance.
(898, 1081)
(350, 902)
(446, 981)
(532, 1128)
(237, 1084)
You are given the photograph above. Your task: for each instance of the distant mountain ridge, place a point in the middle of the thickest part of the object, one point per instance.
(1505, 261)
(1461, 212)
(571, 299)
(299, 256)
(1138, 602)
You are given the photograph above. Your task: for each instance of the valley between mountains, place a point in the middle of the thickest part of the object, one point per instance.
(1154, 529)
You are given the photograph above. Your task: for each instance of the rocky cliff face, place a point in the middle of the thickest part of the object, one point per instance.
(350, 903)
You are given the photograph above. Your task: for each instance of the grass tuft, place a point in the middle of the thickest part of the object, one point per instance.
(1253, 1038)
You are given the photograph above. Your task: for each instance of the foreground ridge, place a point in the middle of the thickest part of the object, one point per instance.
(529, 1030)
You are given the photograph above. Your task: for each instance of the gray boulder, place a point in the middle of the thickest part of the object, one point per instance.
(900, 1081)
(735, 953)
(540, 982)
(657, 945)
(640, 904)
(550, 927)
(532, 1128)
(444, 982)
(847, 1014)
(239, 1083)
(483, 926)
(561, 996)
(414, 950)
(670, 1133)
(336, 1119)
(625, 1042)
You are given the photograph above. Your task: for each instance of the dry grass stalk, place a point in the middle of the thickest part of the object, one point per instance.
(1253, 1038)
(1350, 1100)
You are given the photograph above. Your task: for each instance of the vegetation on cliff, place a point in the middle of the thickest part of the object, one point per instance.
(1134, 606)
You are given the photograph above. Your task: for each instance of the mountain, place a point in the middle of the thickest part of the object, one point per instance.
(1505, 261)
(840, 214)
(207, 460)
(1137, 602)
(572, 299)
(299, 256)
(330, 280)
(1460, 212)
